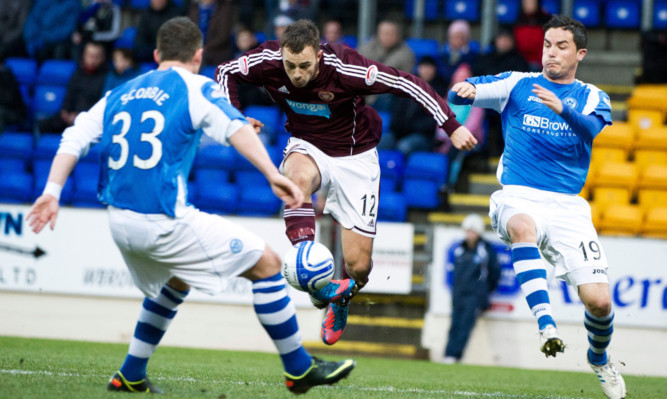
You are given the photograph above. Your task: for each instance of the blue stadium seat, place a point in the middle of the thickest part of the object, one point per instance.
(386, 120)
(16, 187)
(16, 145)
(208, 71)
(420, 193)
(139, 4)
(12, 165)
(587, 12)
(258, 201)
(422, 47)
(48, 100)
(260, 36)
(147, 66)
(391, 164)
(462, 9)
(431, 9)
(281, 140)
(243, 164)
(46, 147)
(24, 69)
(27, 98)
(660, 14)
(93, 155)
(474, 46)
(622, 14)
(388, 184)
(269, 115)
(430, 166)
(250, 178)
(508, 11)
(55, 72)
(86, 178)
(126, 39)
(41, 170)
(205, 175)
(216, 156)
(393, 207)
(350, 40)
(551, 6)
(216, 198)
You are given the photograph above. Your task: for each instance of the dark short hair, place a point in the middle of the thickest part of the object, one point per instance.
(178, 39)
(427, 60)
(300, 34)
(577, 28)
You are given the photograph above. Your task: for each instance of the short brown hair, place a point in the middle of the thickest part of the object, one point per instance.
(578, 30)
(178, 39)
(300, 34)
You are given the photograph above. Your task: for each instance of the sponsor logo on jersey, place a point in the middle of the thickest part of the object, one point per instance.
(326, 95)
(544, 123)
(236, 245)
(535, 99)
(371, 75)
(283, 89)
(310, 109)
(570, 102)
(243, 64)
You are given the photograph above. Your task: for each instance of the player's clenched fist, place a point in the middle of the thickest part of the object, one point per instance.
(463, 139)
(465, 90)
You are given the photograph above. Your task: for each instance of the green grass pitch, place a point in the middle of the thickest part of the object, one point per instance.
(39, 368)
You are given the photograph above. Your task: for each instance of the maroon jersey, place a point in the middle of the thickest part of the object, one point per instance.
(330, 111)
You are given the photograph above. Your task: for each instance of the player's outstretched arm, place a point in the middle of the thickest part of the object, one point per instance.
(462, 139)
(248, 144)
(45, 209)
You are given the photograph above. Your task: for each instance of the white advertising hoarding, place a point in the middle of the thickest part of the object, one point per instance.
(637, 281)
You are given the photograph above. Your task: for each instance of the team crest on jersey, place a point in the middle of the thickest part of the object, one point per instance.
(371, 75)
(243, 64)
(326, 95)
(236, 245)
(570, 102)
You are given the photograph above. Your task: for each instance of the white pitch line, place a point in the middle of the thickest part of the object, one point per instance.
(263, 383)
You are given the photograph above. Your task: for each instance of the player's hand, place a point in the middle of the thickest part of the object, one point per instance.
(463, 139)
(257, 125)
(465, 90)
(286, 190)
(44, 211)
(549, 98)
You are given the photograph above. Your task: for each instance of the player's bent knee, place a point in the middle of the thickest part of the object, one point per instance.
(521, 228)
(267, 265)
(599, 307)
(178, 284)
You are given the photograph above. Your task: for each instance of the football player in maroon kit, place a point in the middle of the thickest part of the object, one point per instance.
(333, 139)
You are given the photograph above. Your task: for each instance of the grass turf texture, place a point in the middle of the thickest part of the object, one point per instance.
(38, 368)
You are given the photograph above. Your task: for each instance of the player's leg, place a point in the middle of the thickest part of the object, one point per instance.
(303, 171)
(532, 276)
(598, 320)
(154, 318)
(276, 313)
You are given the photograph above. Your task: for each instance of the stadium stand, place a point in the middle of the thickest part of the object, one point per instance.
(607, 196)
(619, 135)
(459, 9)
(622, 14)
(649, 199)
(623, 220)
(393, 207)
(617, 174)
(655, 225)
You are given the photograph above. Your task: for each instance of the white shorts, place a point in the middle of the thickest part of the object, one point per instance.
(352, 182)
(566, 236)
(200, 249)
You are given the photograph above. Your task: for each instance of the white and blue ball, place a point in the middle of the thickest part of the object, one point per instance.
(308, 266)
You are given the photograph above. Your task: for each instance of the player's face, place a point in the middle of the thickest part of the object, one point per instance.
(560, 55)
(302, 67)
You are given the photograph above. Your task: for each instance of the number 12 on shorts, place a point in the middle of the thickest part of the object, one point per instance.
(370, 201)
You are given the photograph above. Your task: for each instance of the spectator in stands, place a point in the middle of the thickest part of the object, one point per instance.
(49, 27)
(249, 94)
(476, 275)
(124, 68)
(13, 14)
(412, 129)
(280, 23)
(12, 109)
(504, 57)
(214, 18)
(529, 34)
(83, 90)
(245, 41)
(332, 32)
(389, 48)
(100, 22)
(150, 21)
(457, 50)
(294, 9)
(654, 57)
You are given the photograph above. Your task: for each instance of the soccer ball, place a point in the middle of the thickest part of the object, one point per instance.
(308, 266)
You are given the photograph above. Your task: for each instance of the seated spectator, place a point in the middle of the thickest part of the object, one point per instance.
(280, 23)
(150, 21)
(83, 90)
(245, 41)
(47, 31)
(124, 68)
(528, 32)
(332, 32)
(13, 14)
(12, 109)
(457, 50)
(412, 129)
(389, 48)
(504, 57)
(214, 18)
(654, 57)
(249, 94)
(293, 9)
(100, 22)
